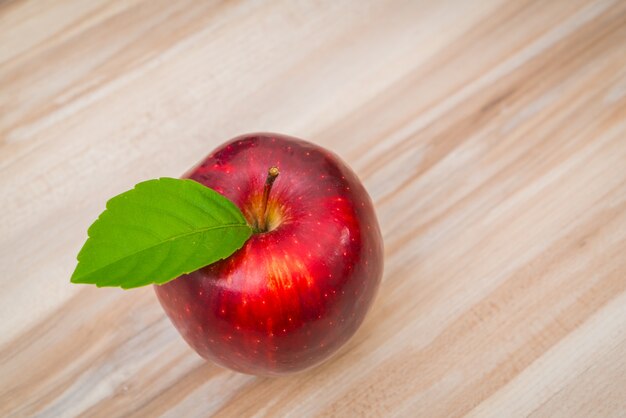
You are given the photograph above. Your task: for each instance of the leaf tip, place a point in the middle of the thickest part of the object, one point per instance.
(77, 280)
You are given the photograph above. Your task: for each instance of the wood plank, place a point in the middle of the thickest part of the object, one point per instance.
(491, 136)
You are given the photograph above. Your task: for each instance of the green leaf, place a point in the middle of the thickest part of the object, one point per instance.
(157, 231)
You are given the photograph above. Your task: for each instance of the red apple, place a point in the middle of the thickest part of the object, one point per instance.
(301, 285)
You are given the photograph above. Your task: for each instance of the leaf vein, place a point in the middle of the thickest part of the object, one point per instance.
(173, 238)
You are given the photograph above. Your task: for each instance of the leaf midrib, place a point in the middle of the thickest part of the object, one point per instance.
(199, 231)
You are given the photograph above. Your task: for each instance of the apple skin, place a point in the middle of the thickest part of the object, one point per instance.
(292, 296)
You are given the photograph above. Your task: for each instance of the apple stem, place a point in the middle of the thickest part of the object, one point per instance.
(272, 173)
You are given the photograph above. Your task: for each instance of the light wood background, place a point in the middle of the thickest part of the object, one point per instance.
(491, 135)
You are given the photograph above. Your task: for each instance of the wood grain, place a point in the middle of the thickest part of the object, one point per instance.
(491, 135)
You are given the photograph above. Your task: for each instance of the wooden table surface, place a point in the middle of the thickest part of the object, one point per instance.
(490, 134)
